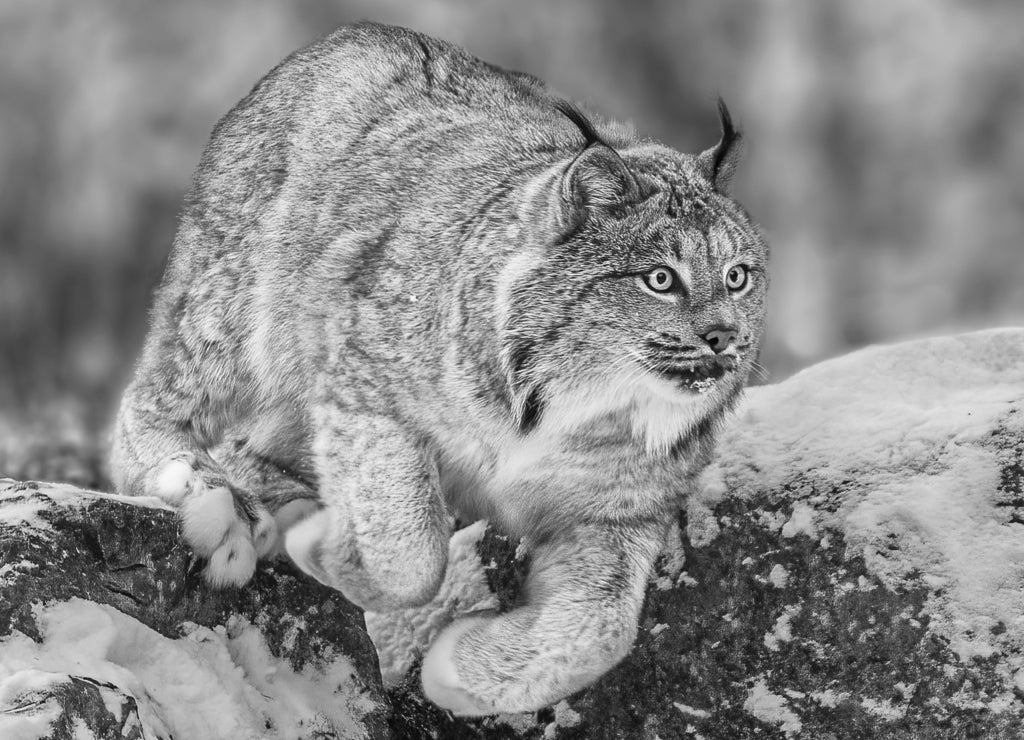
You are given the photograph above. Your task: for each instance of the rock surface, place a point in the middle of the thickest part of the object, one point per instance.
(852, 567)
(106, 624)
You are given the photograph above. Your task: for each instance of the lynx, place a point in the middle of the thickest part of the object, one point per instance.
(409, 286)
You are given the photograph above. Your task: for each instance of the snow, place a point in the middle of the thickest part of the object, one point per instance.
(692, 711)
(20, 507)
(771, 708)
(783, 629)
(82, 731)
(22, 716)
(828, 698)
(565, 716)
(883, 708)
(889, 447)
(778, 576)
(801, 522)
(10, 571)
(219, 682)
(23, 514)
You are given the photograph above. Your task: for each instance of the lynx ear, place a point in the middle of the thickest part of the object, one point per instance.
(596, 179)
(718, 164)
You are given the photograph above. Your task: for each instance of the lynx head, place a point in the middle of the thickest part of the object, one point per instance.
(649, 297)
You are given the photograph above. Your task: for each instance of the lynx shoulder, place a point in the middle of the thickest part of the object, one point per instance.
(409, 285)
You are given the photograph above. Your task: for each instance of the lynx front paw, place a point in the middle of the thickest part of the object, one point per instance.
(221, 524)
(442, 683)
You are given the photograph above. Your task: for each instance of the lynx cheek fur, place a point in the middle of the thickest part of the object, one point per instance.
(409, 284)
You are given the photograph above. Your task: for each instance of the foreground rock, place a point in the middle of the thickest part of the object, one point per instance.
(852, 568)
(107, 630)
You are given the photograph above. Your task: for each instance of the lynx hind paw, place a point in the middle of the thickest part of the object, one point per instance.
(219, 525)
(440, 675)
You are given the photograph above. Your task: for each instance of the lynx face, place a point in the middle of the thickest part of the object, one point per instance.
(655, 307)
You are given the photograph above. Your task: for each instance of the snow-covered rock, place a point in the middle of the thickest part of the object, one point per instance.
(107, 630)
(851, 567)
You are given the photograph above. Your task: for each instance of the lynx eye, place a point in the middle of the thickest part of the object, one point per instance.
(660, 279)
(736, 278)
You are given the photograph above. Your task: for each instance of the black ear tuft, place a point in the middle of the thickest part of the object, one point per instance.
(580, 120)
(730, 137)
(718, 164)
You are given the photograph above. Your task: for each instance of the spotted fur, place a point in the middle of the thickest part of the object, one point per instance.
(407, 285)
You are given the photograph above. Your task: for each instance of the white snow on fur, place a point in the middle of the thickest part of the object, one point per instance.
(208, 684)
(888, 446)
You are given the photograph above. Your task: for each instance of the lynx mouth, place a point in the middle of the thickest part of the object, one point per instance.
(696, 375)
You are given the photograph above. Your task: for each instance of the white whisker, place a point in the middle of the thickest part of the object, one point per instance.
(760, 370)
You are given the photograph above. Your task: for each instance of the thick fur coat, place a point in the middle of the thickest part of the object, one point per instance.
(410, 285)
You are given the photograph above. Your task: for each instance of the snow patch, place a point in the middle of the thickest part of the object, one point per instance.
(783, 630)
(890, 446)
(9, 572)
(883, 708)
(294, 627)
(219, 682)
(771, 708)
(26, 713)
(565, 716)
(829, 698)
(778, 576)
(21, 506)
(800, 522)
(692, 711)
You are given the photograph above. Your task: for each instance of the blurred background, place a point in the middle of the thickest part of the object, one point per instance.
(885, 159)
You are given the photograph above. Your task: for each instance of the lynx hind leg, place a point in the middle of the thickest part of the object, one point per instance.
(382, 537)
(579, 618)
(223, 523)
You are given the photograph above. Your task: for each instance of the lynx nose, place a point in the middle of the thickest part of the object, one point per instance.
(720, 337)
